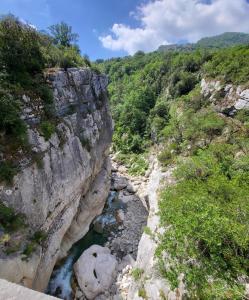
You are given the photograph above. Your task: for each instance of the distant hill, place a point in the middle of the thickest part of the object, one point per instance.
(224, 40)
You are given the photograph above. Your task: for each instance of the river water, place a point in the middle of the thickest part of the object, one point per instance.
(60, 281)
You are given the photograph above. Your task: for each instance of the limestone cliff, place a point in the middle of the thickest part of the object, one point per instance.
(63, 191)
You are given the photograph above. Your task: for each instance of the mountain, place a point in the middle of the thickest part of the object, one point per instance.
(224, 40)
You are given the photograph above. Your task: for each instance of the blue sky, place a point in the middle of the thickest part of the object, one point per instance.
(110, 28)
(89, 18)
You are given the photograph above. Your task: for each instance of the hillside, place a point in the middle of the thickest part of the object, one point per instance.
(193, 107)
(227, 39)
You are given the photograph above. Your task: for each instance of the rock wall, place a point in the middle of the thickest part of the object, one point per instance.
(227, 99)
(68, 187)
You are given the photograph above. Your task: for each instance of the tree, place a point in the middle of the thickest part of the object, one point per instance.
(19, 47)
(62, 34)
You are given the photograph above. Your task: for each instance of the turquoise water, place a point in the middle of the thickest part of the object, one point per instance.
(60, 281)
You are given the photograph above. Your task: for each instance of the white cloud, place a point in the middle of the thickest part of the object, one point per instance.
(170, 21)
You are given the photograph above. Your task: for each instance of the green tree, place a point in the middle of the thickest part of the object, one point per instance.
(62, 34)
(19, 48)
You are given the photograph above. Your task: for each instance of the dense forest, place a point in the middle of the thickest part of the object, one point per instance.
(156, 101)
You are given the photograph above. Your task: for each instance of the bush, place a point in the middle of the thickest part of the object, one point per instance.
(9, 220)
(10, 122)
(24, 41)
(230, 65)
(208, 212)
(137, 273)
(47, 129)
(137, 164)
(7, 171)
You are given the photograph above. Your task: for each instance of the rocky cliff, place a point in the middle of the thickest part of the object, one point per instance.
(62, 191)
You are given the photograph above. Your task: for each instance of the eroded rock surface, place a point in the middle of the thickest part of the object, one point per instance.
(63, 191)
(227, 99)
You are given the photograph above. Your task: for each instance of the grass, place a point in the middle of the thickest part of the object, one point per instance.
(137, 273)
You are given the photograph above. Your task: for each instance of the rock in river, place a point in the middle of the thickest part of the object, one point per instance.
(95, 271)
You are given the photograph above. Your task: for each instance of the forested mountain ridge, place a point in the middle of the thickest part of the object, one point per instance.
(194, 106)
(227, 39)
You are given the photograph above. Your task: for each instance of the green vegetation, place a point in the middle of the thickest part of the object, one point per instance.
(47, 129)
(137, 273)
(208, 207)
(142, 293)
(9, 220)
(25, 54)
(231, 65)
(7, 171)
(156, 99)
(208, 210)
(224, 40)
(62, 34)
(136, 164)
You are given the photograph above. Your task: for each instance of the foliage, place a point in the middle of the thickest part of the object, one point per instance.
(39, 237)
(62, 34)
(137, 164)
(47, 129)
(231, 65)
(208, 212)
(10, 220)
(137, 273)
(19, 48)
(10, 122)
(224, 40)
(7, 171)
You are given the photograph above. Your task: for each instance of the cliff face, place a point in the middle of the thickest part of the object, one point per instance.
(67, 188)
(227, 99)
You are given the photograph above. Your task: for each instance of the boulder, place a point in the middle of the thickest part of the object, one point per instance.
(119, 183)
(130, 188)
(95, 271)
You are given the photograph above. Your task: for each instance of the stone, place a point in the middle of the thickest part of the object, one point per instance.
(130, 189)
(119, 184)
(101, 271)
(241, 104)
(78, 293)
(11, 291)
(120, 216)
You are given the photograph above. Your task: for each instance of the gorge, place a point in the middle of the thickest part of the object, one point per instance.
(125, 178)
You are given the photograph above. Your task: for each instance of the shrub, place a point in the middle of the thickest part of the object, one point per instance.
(208, 212)
(7, 171)
(10, 220)
(39, 237)
(47, 129)
(137, 164)
(24, 41)
(10, 121)
(231, 65)
(137, 273)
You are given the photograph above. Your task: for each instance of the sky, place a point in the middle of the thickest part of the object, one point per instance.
(111, 28)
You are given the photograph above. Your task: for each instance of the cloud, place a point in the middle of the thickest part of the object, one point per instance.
(170, 21)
